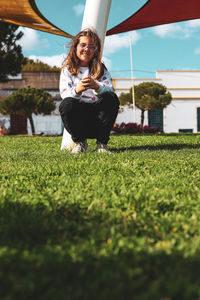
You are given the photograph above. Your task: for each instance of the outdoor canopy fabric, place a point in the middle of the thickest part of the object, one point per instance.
(158, 12)
(152, 13)
(25, 13)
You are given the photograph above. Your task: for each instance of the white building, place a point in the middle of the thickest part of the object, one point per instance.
(183, 113)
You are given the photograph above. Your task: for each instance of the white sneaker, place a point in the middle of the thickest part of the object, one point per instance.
(80, 148)
(103, 148)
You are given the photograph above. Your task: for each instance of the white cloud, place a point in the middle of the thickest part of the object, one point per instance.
(107, 62)
(167, 30)
(181, 30)
(197, 51)
(30, 40)
(194, 23)
(115, 43)
(78, 9)
(55, 60)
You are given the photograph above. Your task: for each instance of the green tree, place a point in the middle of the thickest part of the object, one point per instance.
(148, 96)
(26, 101)
(151, 96)
(126, 98)
(11, 57)
(31, 65)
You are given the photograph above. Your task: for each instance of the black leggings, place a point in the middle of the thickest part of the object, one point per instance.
(90, 120)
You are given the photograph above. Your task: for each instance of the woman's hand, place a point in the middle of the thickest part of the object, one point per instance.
(85, 84)
(89, 83)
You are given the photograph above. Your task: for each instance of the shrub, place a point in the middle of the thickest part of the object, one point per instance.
(134, 128)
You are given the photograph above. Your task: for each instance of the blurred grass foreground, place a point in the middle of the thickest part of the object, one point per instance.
(99, 226)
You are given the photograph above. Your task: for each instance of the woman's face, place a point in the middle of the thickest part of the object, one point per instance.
(85, 50)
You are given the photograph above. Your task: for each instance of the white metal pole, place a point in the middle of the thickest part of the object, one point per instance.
(132, 81)
(96, 16)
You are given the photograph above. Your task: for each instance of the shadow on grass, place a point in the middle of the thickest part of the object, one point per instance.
(53, 253)
(171, 147)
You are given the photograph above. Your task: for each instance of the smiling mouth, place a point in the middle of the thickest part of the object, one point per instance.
(85, 54)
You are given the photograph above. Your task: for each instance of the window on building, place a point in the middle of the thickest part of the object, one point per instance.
(185, 130)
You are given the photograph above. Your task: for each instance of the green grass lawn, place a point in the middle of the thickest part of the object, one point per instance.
(100, 226)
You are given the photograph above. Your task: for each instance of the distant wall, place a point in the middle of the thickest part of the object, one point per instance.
(45, 80)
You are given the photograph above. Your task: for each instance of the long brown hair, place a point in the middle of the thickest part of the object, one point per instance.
(72, 61)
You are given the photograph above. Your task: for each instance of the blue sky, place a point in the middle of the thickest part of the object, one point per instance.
(175, 46)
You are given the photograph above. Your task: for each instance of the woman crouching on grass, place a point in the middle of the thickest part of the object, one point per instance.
(90, 106)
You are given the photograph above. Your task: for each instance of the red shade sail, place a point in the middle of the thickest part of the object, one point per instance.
(158, 12)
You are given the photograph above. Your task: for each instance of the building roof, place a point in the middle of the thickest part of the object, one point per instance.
(25, 13)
